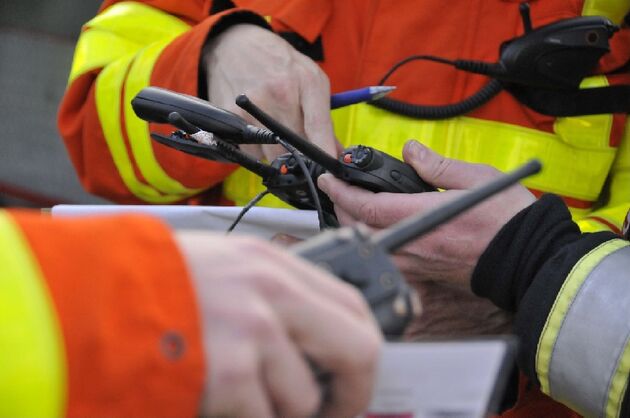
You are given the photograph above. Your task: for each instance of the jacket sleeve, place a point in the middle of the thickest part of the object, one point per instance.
(571, 295)
(130, 45)
(98, 318)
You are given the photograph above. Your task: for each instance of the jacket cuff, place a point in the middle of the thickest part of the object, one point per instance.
(128, 315)
(178, 67)
(526, 265)
(511, 261)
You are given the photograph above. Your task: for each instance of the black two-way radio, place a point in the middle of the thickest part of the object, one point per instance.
(289, 175)
(542, 68)
(362, 258)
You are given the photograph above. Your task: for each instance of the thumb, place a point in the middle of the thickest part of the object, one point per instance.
(443, 172)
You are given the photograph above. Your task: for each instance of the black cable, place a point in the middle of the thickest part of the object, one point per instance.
(435, 112)
(246, 208)
(309, 181)
(414, 58)
(316, 154)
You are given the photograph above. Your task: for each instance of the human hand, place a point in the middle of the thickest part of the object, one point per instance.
(450, 253)
(264, 317)
(283, 82)
(440, 264)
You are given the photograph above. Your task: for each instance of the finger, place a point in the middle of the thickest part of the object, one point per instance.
(444, 172)
(236, 388)
(315, 101)
(271, 152)
(344, 218)
(311, 280)
(348, 200)
(254, 401)
(263, 99)
(289, 115)
(339, 147)
(378, 210)
(326, 286)
(289, 380)
(337, 342)
(329, 321)
(253, 150)
(285, 240)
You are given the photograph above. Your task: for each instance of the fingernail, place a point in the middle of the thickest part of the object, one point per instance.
(415, 149)
(323, 182)
(284, 240)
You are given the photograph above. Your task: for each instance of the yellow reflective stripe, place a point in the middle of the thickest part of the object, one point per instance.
(587, 224)
(563, 301)
(119, 30)
(579, 213)
(614, 215)
(96, 49)
(241, 186)
(618, 190)
(110, 40)
(615, 10)
(581, 147)
(501, 145)
(586, 132)
(138, 130)
(138, 22)
(620, 175)
(108, 91)
(32, 364)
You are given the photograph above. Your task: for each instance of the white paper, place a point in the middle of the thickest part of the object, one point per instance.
(446, 379)
(260, 221)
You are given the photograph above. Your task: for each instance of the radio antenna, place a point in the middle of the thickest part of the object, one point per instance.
(411, 228)
(310, 150)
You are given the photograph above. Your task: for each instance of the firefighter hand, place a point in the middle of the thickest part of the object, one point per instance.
(263, 318)
(283, 82)
(450, 253)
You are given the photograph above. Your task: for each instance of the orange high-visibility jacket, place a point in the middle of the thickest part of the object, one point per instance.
(97, 319)
(132, 44)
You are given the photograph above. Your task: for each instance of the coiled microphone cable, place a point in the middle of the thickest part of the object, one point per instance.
(435, 112)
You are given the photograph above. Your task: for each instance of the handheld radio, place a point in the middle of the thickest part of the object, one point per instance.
(359, 165)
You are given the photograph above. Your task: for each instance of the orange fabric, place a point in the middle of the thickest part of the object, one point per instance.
(569, 201)
(177, 69)
(184, 54)
(361, 40)
(299, 16)
(121, 290)
(81, 130)
(364, 38)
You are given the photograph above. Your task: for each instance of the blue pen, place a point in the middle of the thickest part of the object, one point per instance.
(364, 94)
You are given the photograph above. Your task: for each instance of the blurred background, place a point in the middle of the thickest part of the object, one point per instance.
(37, 40)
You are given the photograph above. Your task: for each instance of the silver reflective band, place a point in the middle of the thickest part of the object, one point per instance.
(589, 350)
